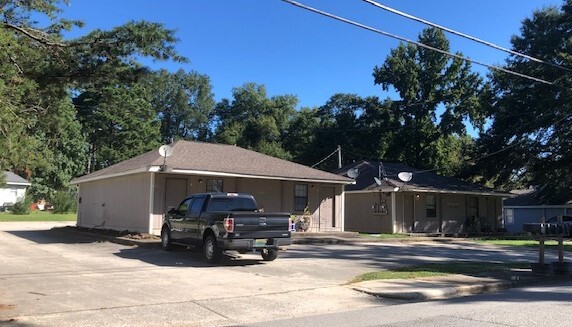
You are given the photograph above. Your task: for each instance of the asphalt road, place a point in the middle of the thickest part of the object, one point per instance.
(540, 305)
(48, 278)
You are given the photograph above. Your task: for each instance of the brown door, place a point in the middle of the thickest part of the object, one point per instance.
(408, 213)
(327, 205)
(175, 192)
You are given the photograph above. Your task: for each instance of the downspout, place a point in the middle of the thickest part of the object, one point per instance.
(393, 212)
(151, 199)
(343, 210)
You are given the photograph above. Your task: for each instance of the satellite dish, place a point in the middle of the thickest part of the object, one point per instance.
(353, 173)
(377, 181)
(165, 151)
(405, 176)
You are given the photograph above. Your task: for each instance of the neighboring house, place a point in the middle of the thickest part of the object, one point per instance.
(134, 194)
(13, 191)
(528, 207)
(428, 203)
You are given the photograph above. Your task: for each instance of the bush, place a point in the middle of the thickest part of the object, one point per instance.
(22, 207)
(64, 202)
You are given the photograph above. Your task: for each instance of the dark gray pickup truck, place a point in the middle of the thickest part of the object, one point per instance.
(225, 221)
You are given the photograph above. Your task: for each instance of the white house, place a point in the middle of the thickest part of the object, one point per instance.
(13, 191)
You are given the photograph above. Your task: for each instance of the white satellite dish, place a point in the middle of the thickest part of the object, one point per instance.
(353, 172)
(377, 181)
(165, 151)
(405, 176)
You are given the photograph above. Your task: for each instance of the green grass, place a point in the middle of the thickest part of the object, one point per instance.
(38, 216)
(549, 244)
(439, 269)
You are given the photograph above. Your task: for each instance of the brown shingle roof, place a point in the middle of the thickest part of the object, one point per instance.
(422, 180)
(217, 158)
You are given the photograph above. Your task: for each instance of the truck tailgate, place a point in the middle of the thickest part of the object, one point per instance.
(261, 225)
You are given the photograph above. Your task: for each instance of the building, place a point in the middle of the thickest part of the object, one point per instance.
(428, 203)
(14, 190)
(135, 194)
(528, 207)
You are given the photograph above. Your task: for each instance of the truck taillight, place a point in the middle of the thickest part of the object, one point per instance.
(229, 224)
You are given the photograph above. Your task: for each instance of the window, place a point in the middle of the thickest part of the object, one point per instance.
(197, 206)
(300, 197)
(184, 206)
(214, 185)
(509, 216)
(231, 204)
(431, 206)
(474, 207)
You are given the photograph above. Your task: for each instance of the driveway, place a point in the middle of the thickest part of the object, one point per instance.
(50, 278)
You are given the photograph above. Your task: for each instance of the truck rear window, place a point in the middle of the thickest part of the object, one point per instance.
(231, 204)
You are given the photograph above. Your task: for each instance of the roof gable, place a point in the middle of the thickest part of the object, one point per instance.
(422, 180)
(13, 179)
(204, 158)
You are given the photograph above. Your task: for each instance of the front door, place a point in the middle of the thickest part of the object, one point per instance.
(408, 213)
(175, 191)
(327, 206)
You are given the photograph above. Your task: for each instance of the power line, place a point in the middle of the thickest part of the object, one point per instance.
(331, 154)
(472, 38)
(419, 44)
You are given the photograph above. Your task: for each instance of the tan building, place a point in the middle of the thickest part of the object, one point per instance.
(428, 203)
(134, 194)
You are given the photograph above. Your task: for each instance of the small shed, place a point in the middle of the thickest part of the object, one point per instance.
(135, 194)
(428, 203)
(14, 190)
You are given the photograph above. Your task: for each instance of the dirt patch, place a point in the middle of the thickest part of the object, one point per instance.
(109, 232)
(6, 306)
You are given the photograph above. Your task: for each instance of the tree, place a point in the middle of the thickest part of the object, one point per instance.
(254, 121)
(41, 138)
(120, 121)
(530, 139)
(429, 82)
(183, 102)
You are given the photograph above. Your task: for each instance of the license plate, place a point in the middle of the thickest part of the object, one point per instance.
(260, 241)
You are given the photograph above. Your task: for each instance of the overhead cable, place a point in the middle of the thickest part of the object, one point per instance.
(419, 44)
(472, 38)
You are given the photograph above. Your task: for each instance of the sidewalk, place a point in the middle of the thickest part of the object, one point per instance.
(453, 285)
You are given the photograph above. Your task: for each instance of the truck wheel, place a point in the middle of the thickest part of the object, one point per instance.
(210, 249)
(166, 239)
(269, 254)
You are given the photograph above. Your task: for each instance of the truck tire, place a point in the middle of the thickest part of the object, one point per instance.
(166, 239)
(269, 254)
(210, 249)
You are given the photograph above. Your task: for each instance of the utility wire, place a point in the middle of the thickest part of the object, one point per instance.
(331, 154)
(472, 38)
(419, 44)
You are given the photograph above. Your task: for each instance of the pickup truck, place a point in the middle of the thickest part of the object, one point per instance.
(225, 221)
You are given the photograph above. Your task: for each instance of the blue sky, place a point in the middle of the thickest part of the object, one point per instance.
(293, 51)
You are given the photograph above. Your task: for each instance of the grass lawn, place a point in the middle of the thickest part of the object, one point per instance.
(550, 244)
(38, 216)
(439, 269)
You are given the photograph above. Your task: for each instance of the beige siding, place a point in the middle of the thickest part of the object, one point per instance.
(120, 203)
(266, 192)
(453, 213)
(361, 217)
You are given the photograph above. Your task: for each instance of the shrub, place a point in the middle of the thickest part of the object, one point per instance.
(22, 207)
(64, 202)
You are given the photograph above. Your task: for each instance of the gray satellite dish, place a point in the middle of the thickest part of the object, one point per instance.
(377, 181)
(353, 173)
(405, 176)
(165, 151)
